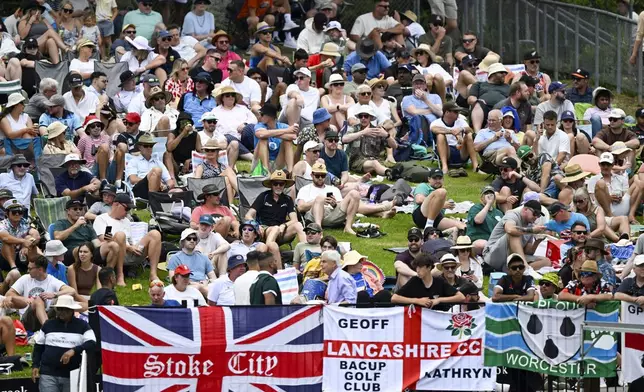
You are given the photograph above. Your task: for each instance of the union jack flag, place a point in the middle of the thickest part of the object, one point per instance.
(273, 348)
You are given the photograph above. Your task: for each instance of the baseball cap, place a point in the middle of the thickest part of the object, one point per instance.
(414, 232)
(303, 71)
(580, 73)
(163, 34)
(75, 80)
(617, 113)
(509, 162)
(182, 270)
(319, 168)
(311, 144)
(124, 198)
(5, 194)
(313, 227)
(435, 172)
(535, 206)
(150, 79)
(330, 134)
(487, 189)
(529, 80)
(418, 78)
(31, 43)
(524, 151)
(639, 260)
(125, 76)
(235, 260)
(403, 52)
(556, 86)
(207, 219)
(55, 100)
(268, 110)
(469, 59)
(74, 203)
(606, 157)
(437, 20)
(407, 67)
(533, 55)
(133, 117)
(251, 223)
(513, 257)
(508, 114)
(357, 67)
(639, 112)
(556, 207)
(568, 115)
(109, 188)
(334, 24)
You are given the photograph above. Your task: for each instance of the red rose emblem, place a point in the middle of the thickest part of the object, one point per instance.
(461, 320)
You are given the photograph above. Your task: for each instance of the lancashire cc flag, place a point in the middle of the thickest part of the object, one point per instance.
(392, 349)
(214, 348)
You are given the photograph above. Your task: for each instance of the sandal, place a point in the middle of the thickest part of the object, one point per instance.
(454, 173)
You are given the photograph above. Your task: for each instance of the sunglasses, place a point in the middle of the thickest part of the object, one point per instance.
(580, 232)
(614, 119)
(571, 121)
(96, 125)
(127, 208)
(226, 42)
(279, 183)
(467, 41)
(146, 146)
(229, 95)
(264, 32)
(337, 84)
(545, 283)
(23, 165)
(130, 32)
(586, 274)
(332, 140)
(156, 283)
(579, 201)
(450, 268)
(16, 212)
(365, 94)
(311, 232)
(364, 71)
(77, 209)
(155, 99)
(216, 58)
(248, 229)
(147, 4)
(315, 151)
(185, 69)
(518, 267)
(191, 238)
(210, 121)
(605, 164)
(301, 77)
(534, 62)
(361, 116)
(68, 10)
(413, 239)
(464, 251)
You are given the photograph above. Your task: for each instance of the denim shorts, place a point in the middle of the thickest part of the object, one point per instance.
(106, 27)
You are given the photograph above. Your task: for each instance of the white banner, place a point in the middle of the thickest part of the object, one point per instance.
(391, 349)
(633, 344)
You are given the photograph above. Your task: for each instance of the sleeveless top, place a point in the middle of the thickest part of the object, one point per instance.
(255, 60)
(37, 29)
(211, 171)
(18, 124)
(384, 108)
(592, 218)
(69, 37)
(542, 81)
(85, 280)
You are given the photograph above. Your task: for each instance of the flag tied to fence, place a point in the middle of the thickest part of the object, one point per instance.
(545, 337)
(633, 349)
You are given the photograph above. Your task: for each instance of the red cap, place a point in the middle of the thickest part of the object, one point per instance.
(133, 117)
(91, 119)
(182, 270)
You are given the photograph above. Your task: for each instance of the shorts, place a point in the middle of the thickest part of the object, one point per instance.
(134, 260)
(446, 8)
(141, 189)
(552, 190)
(242, 148)
(455, 157)
(106, 27)
(111, 171)
(490, 155)
(356, 164)
(303, 121)
(332, 217)
(420, 220)
(96, 257)
(4, 264)
(496, 254)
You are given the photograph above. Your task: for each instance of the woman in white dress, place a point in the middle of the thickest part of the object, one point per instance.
(14, 122)
(437, 78)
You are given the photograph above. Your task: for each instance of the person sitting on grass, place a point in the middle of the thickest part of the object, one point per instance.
(146, 173)
(454, 140)
(202, 271)
(515, 286)
(425, 290)
(18, 240)
(38, 289)
(482, 218)
(157, 296)
(249, 240)
(543, 170)
(511, 185)
(431, 198)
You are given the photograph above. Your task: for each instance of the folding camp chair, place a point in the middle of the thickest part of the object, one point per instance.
(113, 71)
(167, 210)
(8, 88)
(249, 189)
(48, 211)
(195, 185)
(55, 71)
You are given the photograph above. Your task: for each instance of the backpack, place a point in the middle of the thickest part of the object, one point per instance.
(410, 171)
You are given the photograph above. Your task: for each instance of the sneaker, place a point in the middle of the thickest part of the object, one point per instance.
(290, 43)
(290, 25)
(462, 172)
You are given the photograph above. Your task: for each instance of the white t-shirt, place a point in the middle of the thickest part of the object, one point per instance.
(416, 30)
(618, 182)
(434, 69)
(311, 100)
(29, 287)
(151, 116)
(557, 143)
(137, 104)
(380, 115)
(186, 47)
(309, 192)
(82, 67)
(190, 294)
(86, 106)
(132, 62)
(249, 89)
(451, 139)
(123, 225)
(229, 120)
(204, 138)
(221, 291)
(104, 9)
(366, 23)
(210, 243)
(242, 285)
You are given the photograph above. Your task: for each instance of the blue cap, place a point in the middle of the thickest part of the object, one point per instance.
(408, 67)
(251, 223)
(555, 86)
(203, 77)
(235, 260)
(207, 219)
(320, 116)
(567, 115)
(164, 33)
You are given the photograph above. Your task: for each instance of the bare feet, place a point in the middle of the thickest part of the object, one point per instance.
(388, 214)
(121, 282)
(349, 230)
(366, 177)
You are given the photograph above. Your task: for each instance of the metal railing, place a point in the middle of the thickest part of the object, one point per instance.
(567, 36)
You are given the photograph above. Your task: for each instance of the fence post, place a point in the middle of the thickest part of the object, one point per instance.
(639, 74)
(417, 7)
(576, 38)
(482, 22)
(500, 27)
(545, 28)
(466, 14)
(618, 76)
(537, 38)
(596, 50)
(556, 43)
(517, 55)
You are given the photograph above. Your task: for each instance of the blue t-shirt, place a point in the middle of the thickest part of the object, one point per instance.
(558, 227)
(168, 303)
(336, 164)
(274, 143)
(197, 262)
(375, 66)
(64, 181)
(486, 134)
(59, 273)
(71, 120)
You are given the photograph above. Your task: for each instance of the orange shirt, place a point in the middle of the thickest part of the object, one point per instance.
(261, 8)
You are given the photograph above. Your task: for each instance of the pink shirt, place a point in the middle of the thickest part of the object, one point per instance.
(85, 145)
(225, 60)
(206, 210)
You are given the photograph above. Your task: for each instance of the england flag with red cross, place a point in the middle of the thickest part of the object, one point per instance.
(273, 348)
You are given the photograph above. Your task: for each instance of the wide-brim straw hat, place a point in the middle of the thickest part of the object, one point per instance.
(334, 78)
(218, 93)
(410, 15)
(330, 49)
(488, 60)
(426, 49)
(448, 258)
(573, 173)
(463, 242)
(590, 266)
(218, 34)
(375, 82)
(278, 175)
(154, 91)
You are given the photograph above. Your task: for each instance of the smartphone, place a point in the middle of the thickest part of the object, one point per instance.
(108, 230)
(329, 194)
